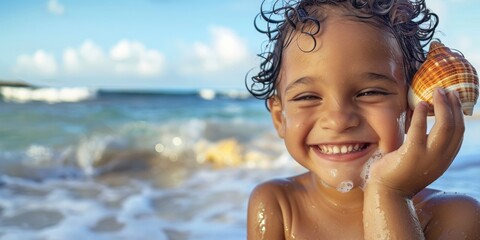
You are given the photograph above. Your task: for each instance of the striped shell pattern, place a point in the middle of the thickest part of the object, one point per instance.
(449, 70)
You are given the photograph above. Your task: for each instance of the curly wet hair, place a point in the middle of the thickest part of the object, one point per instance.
(410, 22)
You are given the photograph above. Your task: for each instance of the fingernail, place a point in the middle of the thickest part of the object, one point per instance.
(441, 91)
(424, 105)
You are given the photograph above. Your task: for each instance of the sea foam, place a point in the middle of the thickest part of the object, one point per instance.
(50, 95)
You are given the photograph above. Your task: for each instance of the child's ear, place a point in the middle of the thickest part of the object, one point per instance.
(276, 112)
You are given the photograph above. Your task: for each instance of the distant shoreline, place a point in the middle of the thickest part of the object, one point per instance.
(4, 83)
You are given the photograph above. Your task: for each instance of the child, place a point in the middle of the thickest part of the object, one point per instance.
(335, 81)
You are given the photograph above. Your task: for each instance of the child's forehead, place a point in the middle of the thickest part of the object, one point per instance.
(349, 43)
(347, 30)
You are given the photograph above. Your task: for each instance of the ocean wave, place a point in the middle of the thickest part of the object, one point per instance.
(49, 95)
(173, 148)
(209, 94)
(232, 93)
(78, 94)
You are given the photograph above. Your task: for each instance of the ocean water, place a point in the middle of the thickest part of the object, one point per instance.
(89, 164)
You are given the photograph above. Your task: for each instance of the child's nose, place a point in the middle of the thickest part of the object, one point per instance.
(339, 118)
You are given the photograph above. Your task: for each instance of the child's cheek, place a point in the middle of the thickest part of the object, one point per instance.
(294, 120)
(300, 122)
(296, 124)
(391, 129)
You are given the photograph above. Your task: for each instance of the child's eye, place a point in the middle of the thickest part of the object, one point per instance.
(306, 98)
(372, 93)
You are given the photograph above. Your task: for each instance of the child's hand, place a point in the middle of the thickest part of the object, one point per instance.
(423, 158)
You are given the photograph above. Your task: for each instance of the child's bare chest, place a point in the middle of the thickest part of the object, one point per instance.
(320, 223)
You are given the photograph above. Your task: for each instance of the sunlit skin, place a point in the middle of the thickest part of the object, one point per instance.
(335, 107)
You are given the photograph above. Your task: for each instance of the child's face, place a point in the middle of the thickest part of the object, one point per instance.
(342, 102)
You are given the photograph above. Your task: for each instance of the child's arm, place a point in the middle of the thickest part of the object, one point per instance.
(398, 176)
(452, 216)
(387, 214)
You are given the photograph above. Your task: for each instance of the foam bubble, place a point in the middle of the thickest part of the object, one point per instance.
(365, 174)
(345, 186)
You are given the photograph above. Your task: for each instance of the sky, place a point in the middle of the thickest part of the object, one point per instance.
(160, 44)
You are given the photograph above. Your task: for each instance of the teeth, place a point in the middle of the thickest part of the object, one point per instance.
(336, 150)
(324, 149)
(343, 149)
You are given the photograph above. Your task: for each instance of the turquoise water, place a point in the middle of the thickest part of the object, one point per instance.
(149, 165)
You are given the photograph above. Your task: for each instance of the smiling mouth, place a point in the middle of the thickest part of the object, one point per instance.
(341, 149)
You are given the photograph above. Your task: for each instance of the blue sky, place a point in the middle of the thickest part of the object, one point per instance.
(159, 43)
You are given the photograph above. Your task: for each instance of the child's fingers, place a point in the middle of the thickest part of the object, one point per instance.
(457, 112)
(440, 136)
(447, 133)
(418, 125)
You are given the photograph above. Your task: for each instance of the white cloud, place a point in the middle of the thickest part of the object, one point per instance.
(55, 7)
(91, 53)
(132, 57)
(228, 45)
(225, 50)
(40, 63)
(71, 60)
(125, 57)
(224, 58)
(89, 57)
(125, 50)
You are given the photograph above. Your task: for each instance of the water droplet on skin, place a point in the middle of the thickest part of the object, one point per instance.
(261, 218)
(401, 120)
(334, 172)
(325, 184)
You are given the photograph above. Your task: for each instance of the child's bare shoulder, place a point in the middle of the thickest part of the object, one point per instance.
(269, 208)
(441, 213)
(276, 189)
(277, 195)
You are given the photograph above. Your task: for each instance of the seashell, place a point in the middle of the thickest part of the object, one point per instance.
(449, 70)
